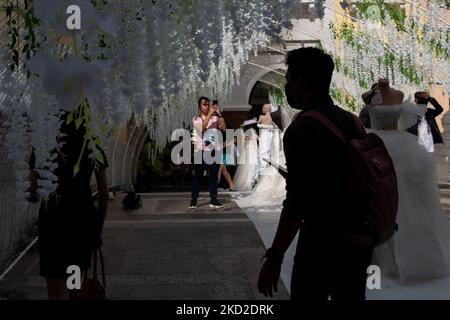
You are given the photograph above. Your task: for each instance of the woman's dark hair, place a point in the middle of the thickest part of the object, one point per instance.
(313, 65)
(201, 99)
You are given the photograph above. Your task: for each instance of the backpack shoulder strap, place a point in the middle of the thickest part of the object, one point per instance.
(326, 122)
(359, 126)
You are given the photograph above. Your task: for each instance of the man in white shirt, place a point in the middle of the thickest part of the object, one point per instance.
(205, 124)
(426, 128)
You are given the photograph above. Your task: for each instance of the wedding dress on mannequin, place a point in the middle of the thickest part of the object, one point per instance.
(247, 172)
(267, 134)
(420, 250)
(271, 188)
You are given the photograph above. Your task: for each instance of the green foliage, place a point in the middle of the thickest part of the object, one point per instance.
(393, 10)
(20, 20)
(363, 84)
(340, 66)
(443, 2)
(346, 33)
(278, 95)
(439, 45)
(344, 98)
(413, 73)
(82, 117)
(397, 15)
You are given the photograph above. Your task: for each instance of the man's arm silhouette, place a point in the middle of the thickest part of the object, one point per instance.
(300, 185)
(288, 227)
(437, 107)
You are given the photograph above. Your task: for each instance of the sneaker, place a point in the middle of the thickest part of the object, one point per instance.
(193, 204)
(215, 204)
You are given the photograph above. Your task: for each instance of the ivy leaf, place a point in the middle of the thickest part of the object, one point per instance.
(78, 123)
(76, 169)
(69, 118)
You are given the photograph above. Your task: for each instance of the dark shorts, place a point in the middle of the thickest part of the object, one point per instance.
(65, 239)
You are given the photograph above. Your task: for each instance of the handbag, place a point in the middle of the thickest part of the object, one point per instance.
(92, 288)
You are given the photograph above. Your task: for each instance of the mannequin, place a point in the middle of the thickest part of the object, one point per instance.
(266, 135)
(420, 250)
(265, 118)
(389, 96)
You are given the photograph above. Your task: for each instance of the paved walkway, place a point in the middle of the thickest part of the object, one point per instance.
(164, 251)
(266, 220)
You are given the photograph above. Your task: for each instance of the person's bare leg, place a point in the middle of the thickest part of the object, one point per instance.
(227, 176)
(57, 289)
(220, 173)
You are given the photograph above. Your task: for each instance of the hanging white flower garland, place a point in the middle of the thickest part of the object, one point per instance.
(150, 59)
(413, 58)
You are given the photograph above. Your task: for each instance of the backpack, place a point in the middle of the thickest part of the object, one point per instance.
(132, 201)
(371, 188)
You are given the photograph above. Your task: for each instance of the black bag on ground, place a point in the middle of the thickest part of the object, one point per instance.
(132, 201)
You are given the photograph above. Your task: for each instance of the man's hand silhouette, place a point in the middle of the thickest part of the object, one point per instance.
(268, 278)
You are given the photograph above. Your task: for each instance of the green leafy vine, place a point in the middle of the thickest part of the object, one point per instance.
(20, 21)
(348, 35)
(393, 10)
(344, 98)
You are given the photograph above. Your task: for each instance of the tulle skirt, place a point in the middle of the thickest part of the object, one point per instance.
(248, 167)
(266, 138)
(270, 191)
(420, 250)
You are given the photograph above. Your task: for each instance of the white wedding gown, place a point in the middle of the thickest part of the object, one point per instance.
(266, 137)
(246, 175)
(271, 188)
(420, 250)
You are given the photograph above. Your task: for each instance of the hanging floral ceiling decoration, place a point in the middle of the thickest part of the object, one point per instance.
(153, 59)
(408, 43)
(150, 59)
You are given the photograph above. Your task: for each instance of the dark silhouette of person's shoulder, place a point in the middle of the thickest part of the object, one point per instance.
(306, 126)
(343, 120)
(302, 127)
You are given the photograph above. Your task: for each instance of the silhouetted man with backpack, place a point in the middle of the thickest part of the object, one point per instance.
(335, 241)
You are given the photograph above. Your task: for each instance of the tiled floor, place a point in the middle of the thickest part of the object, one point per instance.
(164, 251)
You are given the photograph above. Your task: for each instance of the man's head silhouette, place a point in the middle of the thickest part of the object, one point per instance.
(308, 77)
(421, 97)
